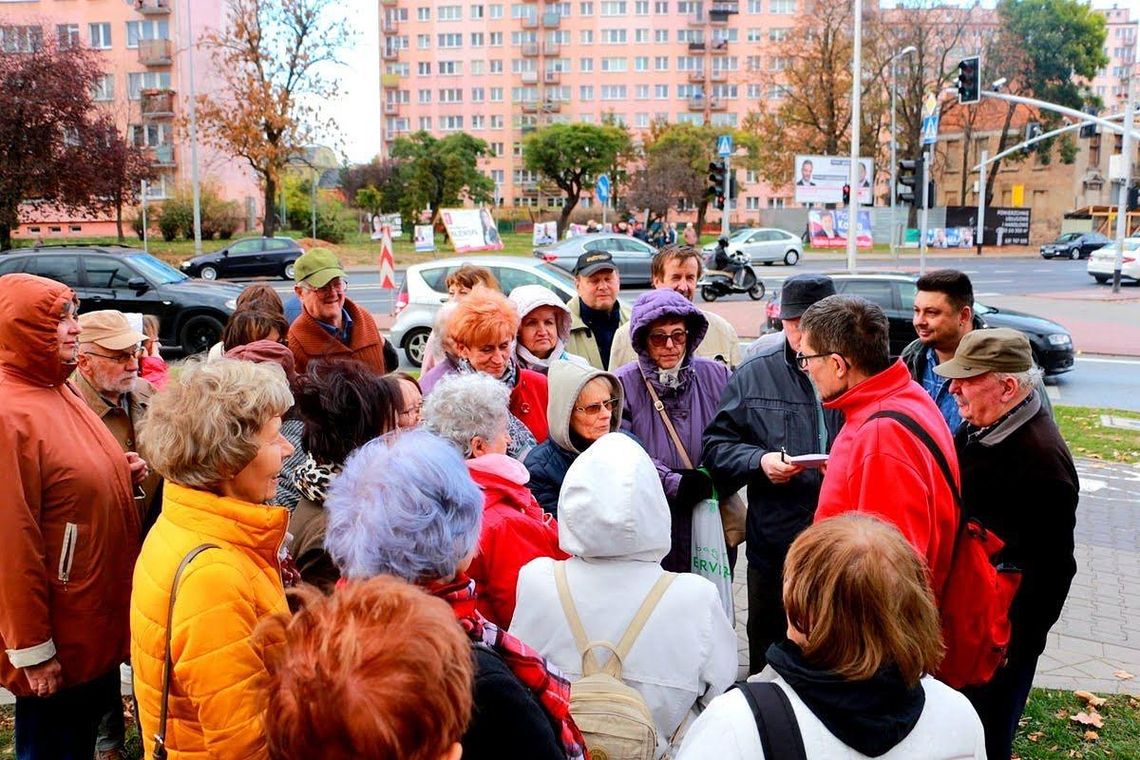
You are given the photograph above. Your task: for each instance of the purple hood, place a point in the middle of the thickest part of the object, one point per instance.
(655, 304)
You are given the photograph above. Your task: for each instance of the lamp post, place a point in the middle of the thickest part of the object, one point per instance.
(894, 160)
(195, 185)
(856, 123)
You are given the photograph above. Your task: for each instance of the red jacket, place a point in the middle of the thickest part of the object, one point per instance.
(881, 468)
(528, 403)
(515, 531)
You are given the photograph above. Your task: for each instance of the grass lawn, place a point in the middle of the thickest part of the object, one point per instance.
(1088, 438)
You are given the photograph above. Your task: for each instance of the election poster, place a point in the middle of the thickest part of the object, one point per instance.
(424, 238)
(471, 229)
(950, 237)
(545, 233)
(828, 228)
(378, 222)
(820, 179)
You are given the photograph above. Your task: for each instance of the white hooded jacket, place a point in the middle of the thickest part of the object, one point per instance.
(526, 299)
(614, 519)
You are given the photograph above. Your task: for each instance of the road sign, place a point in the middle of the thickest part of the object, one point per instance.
(724, 146)
(930, 120)
(602, 188)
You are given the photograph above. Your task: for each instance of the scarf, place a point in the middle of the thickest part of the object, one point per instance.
(542, 678)
(521, 439)
(313, 479)
(530, 361)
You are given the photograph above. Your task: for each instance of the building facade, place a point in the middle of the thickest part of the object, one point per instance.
(1111, 84)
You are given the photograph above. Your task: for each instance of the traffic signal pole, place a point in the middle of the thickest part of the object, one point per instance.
(925, 190)
(1126, 180)
(982, 202)
(727, 197)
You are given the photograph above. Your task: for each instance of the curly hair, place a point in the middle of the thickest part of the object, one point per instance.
(484, 316)
(461, 407)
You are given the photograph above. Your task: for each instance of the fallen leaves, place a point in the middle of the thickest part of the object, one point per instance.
(1090, 699)
(1090, 718)
(1091, 736)
(1123, 675)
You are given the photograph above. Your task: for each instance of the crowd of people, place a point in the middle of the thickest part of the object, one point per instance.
(295, 550)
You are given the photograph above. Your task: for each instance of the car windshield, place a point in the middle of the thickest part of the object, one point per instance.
(980, 308)
(741, 234)
(1068, 236)
(556, 273)
(156, 271)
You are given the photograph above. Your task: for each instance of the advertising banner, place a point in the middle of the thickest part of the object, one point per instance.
(828, 228)
(545, 233)
(950, 237)
(471, 229)
(424, 238)
(1004, 225)
(392, 220)
(820, 179)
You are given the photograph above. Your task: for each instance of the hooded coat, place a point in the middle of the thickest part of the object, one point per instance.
(67, 512)
(526, 299)
(691, 404)
(549, 461)
(614, 521)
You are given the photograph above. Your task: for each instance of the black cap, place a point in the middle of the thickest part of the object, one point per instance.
(594, 261)
(801, 291)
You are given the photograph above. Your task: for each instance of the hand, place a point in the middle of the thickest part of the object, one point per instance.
(45, 678)
(777, 470)
(139, 469)
(695, 486)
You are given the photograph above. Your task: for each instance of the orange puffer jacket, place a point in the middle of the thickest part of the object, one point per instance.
(216, 705)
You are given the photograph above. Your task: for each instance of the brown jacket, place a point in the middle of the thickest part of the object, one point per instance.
(308, 524)
(67, 514)
(308, 340)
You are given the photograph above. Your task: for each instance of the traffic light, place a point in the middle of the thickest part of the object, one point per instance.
(911, 180)
(1133, 197)
(970, 80)
(1032, 130)
(716, 179)
(847, 195)
(1089, 130)
(930, 194)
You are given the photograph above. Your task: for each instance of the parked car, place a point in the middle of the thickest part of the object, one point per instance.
(764, 245)
(191, 313)
(248, 257)
(631, 255)
(424, 290)
(1052, 344)
(1102, 262)
(1074, 245)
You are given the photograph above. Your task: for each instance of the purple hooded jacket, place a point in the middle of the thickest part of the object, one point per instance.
(691, 404)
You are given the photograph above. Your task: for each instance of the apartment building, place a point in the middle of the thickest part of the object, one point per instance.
(1111, 83)
(148, 48)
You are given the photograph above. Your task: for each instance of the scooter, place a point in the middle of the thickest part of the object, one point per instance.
(717, 282)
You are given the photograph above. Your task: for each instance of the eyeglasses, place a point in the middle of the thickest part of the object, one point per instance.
(802, 360)
(660, 340)
(120, 358)
(592, 409)
(336, 284)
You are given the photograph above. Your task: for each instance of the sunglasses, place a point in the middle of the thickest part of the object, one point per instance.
(592, 409)
(660, 340)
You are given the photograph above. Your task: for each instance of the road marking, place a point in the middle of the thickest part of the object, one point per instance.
(989, 294)
(1089, 485)
(1133, 362)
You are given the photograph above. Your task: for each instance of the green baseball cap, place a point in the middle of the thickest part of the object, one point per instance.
(317, 267)
(999, 349)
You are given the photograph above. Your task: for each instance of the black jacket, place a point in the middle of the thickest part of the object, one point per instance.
(770, 404)
(506, 718)
(1018, 479)
(547, 463)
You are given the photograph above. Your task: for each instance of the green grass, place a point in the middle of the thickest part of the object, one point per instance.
(1047, 730)
(1088, 438)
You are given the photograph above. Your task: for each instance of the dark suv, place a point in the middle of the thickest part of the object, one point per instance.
(249, 257)
(191, 313)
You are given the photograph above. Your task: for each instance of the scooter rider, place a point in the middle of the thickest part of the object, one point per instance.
(725, 263)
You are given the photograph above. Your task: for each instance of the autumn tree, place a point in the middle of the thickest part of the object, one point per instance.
(122, 170)
(272, 59)
(378, 173)
(436, 173)
(661, 184)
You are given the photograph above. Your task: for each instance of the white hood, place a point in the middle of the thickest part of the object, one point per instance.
(527, 298)
(612, 505)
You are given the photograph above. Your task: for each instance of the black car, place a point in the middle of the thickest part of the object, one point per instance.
(191, 313)
(1074, 245)
(249, 257)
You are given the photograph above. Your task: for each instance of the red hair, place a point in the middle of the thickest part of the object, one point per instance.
(484, 316)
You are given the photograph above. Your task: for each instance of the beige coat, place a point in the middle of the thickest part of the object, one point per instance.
(582, 340)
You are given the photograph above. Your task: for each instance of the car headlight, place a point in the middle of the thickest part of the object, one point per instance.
(231, 304)
(185, 264)
(1059, 339)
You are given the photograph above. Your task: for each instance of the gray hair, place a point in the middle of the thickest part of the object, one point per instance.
(1027, 379)
(463, 406)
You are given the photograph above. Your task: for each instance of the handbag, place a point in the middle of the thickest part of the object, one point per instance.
(733, 510)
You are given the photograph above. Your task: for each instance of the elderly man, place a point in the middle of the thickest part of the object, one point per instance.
(678, 268)
(1018, 480)
(330, 325)
(770, 407)
(71, 530)
(596, 312)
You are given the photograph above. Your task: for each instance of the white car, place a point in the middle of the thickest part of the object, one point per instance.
(763, 245)
(1102, 261)
(424, 290)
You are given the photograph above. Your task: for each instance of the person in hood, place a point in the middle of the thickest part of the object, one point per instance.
(585, 404)
(71, 530)
(667, 329)
(471, 412)
(544, 328)
(863, 639)
(614, 521)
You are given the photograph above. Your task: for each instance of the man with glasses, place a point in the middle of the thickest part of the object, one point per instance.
(770, 408)
(331, 326)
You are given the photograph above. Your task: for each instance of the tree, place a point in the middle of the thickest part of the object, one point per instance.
(377, 173)
(271, 60)
(662, 183)
(435, 173)
(572, 156)
(122, 171)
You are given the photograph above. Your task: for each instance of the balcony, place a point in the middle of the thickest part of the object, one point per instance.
(552, 77)
(696, 104)
(551, 20)
(390, 54)
(153, 7)
(391, 109)
(552, 48)
(389, 81)
(390, 26)
(530, 107)
(162, 155)
(530, 77)
(696, 77)
(530, 22)
(725, 7)
(696, 47)
(720, 47)
(551, 106)
(530, 49)
(157, 104)
(719, 76)
(716, 104)
(155, 52)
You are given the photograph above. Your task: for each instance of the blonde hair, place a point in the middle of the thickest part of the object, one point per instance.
(202, 428)
(859, 593)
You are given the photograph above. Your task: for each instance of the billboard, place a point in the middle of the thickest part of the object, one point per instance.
(1004, 225)
(471, 229)
(820, 179)
(828, 228)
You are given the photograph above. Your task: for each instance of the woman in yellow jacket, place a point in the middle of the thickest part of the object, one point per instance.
(214, 434)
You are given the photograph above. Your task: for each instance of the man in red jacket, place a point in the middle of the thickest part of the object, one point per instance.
(878, 466)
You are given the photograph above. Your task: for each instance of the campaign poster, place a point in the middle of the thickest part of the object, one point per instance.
(820, 179)
(424, 238)
(471, 229)
(828, 228)
(392, 220)
(545, 233)
(950, 237)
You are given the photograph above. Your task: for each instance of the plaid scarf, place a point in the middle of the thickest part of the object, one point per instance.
(542, 678)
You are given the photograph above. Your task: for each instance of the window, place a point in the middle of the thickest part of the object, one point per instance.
(755, 6)
(876, 292)
(63, 269)
(100, 35)
(689, 7)
(586, 37)
(613, 37)
(425, 123)
(497, 119)
(478, 94)
(496, 39)
(585, 9)
(661, 7)
(476, 11)
(423, 41)
(21, 39)
(519, 65)
(496, 11)
(497, 66)
(753, 92)
(661, 91)
(586, 92)
(660, 36)
(146, 30)
(105, 272)
(450, 13)
(477, 67)
(752, 63)
(146, 80)
(641, 120)
(615, 64)
(478, 121)
(451, 123)
(777, 35)
(753, 35)
(424, 96)
(423, 68)
(423, 14)
(613, 7)
(67, 35)
(641, 63)
(585, 64)
(450, 68)
(783, 6)
(104, 88)
(641, 35)
(661, 63)
(641, 92)
(614, 92)
(454, 40)
(477, 39)
(496, 97)
(752, 203)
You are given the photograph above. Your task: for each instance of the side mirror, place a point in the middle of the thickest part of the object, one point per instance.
(138, 284)
(225, 253)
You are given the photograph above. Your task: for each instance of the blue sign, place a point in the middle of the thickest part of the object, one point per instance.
(724, 146)
(602, 188)
(930, 129)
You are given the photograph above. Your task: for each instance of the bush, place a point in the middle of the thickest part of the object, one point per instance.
(220, 218)
(136, 223)
(169, 225)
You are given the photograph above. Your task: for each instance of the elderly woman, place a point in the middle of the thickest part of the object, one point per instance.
(863, 638)
(483, 328)
(343, 405)
(459, 283)
(615, 524)
(585, 404)
(544, 328)
(214, 434)
(471, 412)
(412, 399)
(666, 329)
(404, 505)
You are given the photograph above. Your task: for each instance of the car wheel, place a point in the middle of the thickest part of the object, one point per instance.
(199, 333)
(708, 293)
(1101, 279)
(791, 258)
(208, 273)
(415, 344)
(757, 291)
(1075, 254)
(289, 270)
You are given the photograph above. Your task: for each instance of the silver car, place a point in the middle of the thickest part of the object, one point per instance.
(764, 245)
(424, 290)
(631, 255)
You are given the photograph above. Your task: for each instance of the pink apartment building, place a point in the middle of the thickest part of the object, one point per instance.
(148, 49)
(1111, 84)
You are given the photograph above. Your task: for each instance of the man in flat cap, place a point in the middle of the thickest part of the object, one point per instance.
(768, 409)
(1019, 481)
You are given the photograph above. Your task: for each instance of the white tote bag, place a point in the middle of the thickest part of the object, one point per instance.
(710, 557)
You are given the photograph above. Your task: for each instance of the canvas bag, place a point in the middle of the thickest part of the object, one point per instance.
(612, 716)
(710, 555)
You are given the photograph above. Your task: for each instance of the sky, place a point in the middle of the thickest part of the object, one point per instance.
(357, 110)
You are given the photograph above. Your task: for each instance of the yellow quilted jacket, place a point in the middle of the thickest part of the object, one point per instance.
(216, 705)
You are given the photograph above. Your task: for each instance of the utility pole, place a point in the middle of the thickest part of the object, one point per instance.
(142, 196)
(894, 142)
(856, 122)
(982, 201)
(926, 200)
(1126, 180)
(195, 186)
(727, 199)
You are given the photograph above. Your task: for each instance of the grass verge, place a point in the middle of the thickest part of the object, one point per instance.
(1089, 438)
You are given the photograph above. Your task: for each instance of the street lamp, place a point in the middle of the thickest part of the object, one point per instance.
(894, 162)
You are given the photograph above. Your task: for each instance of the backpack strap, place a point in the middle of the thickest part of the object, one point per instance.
(775, 720)
(920, 433)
